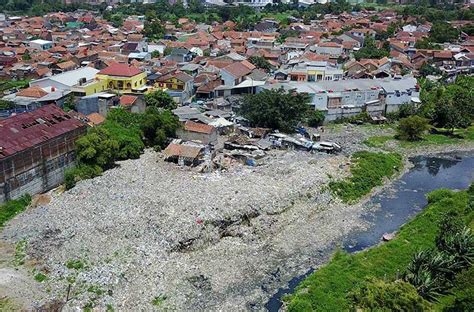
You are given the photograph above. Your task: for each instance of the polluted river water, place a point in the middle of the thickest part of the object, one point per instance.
(395, 205)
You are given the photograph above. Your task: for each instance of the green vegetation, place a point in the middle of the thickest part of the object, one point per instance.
(20, 252)
(316, 118)
(123, 135)
(379, 295)
(275, 109)
(378, 141)
(40, 277)
(158, 300)
(260, 62)
(371, 51)
(6, 85)
(75, 264)
(160, 99)
(11, 208)
(412, 128)
(7, 305)
(4, 104)
(367, 171)
(327, 289)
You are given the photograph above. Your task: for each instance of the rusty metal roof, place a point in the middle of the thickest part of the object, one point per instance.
(26, 130)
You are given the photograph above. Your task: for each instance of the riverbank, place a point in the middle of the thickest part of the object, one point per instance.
(327, 289)
(148, 229)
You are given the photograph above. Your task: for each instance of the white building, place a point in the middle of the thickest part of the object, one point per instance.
(345, 98)
(41, 44)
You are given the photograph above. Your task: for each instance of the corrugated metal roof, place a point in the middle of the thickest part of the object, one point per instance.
(26, 130)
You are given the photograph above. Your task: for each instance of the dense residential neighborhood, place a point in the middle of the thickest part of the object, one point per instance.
(213, 155)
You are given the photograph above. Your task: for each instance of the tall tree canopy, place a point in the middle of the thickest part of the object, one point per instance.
(276, 109)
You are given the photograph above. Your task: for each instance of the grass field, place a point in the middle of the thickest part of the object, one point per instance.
(327, 288)
(462, 135)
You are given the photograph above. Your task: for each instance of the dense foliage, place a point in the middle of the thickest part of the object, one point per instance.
(275, 109)
(260, 62)
(367, 171)
(327, 288)
(412, 128)
(160, 99)
(11, 208)
(380, 295)
(122, 136)
(370, 50)
(316, 118)
(449, 106)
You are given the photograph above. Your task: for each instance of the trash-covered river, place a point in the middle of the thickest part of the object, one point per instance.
(398, 203)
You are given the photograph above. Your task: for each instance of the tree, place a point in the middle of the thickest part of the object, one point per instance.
(260, 62)
(412, 128)
(443, 32)
(158, 125)
(370, 50)
(155, 54)
(160, 99)
(316, 118)
(276, 109)
(97, 148)
(69, 102)
(26, 56)
(378, 295)
(154, 29)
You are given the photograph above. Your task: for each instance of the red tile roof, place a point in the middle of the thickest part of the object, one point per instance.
(182, 151)
(198, 127)
(120, 69)
(237, 69)
(26, 130)
(33, 92)
(127, 100)
(95, 119)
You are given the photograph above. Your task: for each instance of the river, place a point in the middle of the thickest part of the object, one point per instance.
(398, 203)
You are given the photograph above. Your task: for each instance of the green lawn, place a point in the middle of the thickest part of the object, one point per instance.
(368, 170)
(327, 288)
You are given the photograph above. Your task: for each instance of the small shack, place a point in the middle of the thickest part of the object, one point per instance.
(184, 155)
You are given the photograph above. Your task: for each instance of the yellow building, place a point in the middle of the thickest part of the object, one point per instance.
(122, 78)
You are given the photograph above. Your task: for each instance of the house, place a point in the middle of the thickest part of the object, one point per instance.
(95, 119)
(35, 150)
(122, 78)
(41, 44)
(180, 55)
(193, 131)
(346, 98)
(234, 73)
(333, 49)
(100, 102)
(80, 81)
(133, 103)
(31, 98)
(189, 155)
(178, 85)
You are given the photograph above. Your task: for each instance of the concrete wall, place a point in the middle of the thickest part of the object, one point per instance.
(39, 168)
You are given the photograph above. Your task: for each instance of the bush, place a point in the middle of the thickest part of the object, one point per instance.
(11, 208)
(316, 118)
(78, 173)
(412, 128)
(406, 110)
(378, 295)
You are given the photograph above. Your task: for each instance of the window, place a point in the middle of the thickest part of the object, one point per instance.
(311, 78)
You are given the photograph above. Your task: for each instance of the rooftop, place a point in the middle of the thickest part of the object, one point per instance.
(26, 130)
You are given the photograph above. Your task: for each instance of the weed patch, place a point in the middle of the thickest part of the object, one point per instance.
(368, 171)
